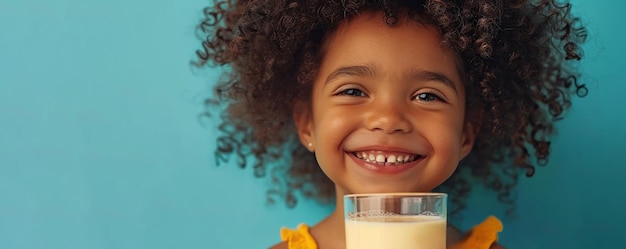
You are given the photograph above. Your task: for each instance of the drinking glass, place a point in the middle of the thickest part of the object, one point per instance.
(395, 221)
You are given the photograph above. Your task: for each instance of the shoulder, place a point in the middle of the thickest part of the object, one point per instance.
(282, 245)
(455, 235)
(483, 235)
(296, 238)
(496, 246)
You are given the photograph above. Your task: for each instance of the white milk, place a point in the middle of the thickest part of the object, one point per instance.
(396, 232)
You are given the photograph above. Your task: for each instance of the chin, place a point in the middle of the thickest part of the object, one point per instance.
(388, 189)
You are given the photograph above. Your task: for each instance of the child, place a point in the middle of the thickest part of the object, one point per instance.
(391, 96)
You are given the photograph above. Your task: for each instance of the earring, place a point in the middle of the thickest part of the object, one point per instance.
(310, 144)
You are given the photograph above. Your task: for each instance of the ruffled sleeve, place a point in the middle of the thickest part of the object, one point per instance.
(482, 235)
(298, 239)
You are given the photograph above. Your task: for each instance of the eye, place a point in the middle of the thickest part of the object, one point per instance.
(427, 97)
(352, 92)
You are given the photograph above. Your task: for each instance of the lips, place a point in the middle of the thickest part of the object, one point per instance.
(386, 158)
(386, 162)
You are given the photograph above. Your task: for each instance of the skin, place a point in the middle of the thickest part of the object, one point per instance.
(384, 91)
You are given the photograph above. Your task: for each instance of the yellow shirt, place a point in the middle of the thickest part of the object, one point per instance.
(480, 237)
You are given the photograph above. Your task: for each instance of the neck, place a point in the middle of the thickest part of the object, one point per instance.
(330, 232)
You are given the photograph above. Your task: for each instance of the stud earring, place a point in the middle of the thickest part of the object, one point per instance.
(310, 144)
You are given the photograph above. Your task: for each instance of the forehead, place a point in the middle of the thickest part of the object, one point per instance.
(370, 22)
(368, 39)
(374, 24)
(377, 18)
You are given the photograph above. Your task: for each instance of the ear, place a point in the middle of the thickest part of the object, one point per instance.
(304, 124)
(470, 131)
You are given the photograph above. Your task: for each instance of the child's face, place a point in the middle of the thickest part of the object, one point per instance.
(388, 108)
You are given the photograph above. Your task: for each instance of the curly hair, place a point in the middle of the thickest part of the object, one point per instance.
(519, 58)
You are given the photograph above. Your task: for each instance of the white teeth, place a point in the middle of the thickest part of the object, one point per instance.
(380, 158)
(385, 159)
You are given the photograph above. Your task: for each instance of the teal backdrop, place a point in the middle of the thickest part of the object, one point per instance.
(101, 145)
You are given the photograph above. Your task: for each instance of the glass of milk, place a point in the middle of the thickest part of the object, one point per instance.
(395, 221)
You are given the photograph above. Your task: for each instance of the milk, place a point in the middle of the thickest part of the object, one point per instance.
(396, 232)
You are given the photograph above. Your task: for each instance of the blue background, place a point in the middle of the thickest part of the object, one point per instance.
(101, 145)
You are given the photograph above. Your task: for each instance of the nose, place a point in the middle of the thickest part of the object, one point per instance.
(389, 116)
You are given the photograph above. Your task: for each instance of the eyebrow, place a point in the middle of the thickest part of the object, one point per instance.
(414, 75)
(351, 71)
(421, 75)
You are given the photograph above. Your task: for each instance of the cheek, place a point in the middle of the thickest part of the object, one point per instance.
(446, 135)
(332, 123)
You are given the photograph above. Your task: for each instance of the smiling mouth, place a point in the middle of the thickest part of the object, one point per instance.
(385, 159)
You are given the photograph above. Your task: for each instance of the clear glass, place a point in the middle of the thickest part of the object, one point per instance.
(396, 221)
